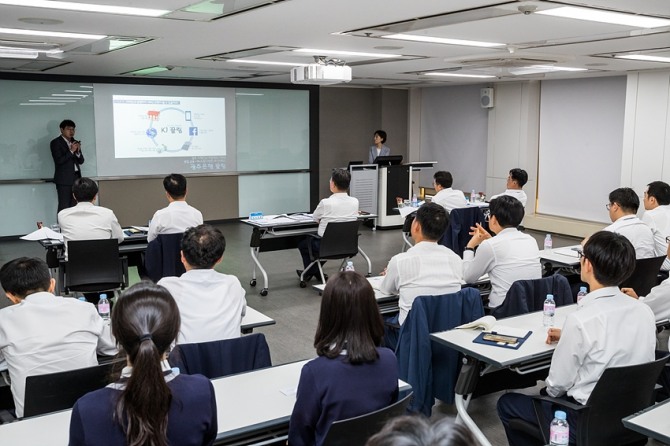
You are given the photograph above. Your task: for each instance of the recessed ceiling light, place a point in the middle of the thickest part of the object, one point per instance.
(40, 21)
(267, 62)
(644, 57)
(32, 32)
(87, 7)
(18, 53)
(536, 69)
(429, 39)
(388, 47)
(148, 70)
(597, 15)
(475, 76)
(346, 53)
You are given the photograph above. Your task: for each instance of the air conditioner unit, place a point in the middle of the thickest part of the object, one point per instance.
(318, 74)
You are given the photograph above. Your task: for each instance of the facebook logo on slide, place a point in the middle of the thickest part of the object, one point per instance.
(193, 131)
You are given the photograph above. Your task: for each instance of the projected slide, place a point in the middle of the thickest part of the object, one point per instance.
(167, 127)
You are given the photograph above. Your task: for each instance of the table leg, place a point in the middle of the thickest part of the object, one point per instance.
(257, 263)
(367, 259)
(465, 386)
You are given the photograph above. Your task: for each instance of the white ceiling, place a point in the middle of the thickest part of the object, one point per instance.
(186, 42)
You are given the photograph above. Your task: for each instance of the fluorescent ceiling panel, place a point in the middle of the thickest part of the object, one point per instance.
(32, 32)
(597, 15)
(316, 52)
(87, 7)
(442, 40)
(645, 57)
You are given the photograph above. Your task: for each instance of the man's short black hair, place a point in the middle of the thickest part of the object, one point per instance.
(443, 178)
(84, 189)
(67, 123)
(612, 256)
(519, 175)
(433, 220)
(25, 276)
(382, 135)
(341, 179)
(660, 191)
(175, 185)
(626, 198)
(507, 210)
(203, 246)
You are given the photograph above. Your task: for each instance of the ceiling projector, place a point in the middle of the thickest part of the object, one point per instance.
(322, 72)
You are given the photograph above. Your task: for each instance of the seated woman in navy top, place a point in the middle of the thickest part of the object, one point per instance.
(352, 375)
(150, 404)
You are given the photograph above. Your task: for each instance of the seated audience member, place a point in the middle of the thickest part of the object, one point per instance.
(657, 215)
(426, 268)
(211, 304)
(609, 330)
(336, 208)
(352, 374)
(149, 404)
(86, 221)
(42, 333)
(622, 208)
(509, 256)
(178, 215)
(419, 431)
(447, 197)
(516, 179)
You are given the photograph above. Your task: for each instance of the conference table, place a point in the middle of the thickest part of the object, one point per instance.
(251, 406)
(652, 422)
(562, 257)
(284, 231)
(531, 356)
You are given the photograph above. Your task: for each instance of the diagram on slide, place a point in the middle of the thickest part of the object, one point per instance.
(160, 126)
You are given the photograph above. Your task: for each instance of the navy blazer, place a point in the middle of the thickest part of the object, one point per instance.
(65, 161)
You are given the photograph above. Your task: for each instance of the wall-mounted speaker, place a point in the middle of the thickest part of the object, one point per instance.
(486, 97)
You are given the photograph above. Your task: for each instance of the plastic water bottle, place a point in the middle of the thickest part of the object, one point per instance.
(415, 202)
(472, 196)
(548, 311)
(559, 431)
(581, 294)
(548, 243)
(349, 266)
(81, 298)
(103, 306)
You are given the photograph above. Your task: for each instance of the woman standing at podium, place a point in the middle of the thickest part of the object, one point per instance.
(378, 149)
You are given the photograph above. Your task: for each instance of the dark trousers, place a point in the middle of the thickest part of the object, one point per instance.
(516, 405)
(303, 247)
(391, 331)
(65, 198)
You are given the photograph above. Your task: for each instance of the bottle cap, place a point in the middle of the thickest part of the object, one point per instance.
(550, 295)
(560, 415)
(582, 288)
(103, 296)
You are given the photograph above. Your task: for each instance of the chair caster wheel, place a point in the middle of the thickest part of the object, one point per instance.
(303, 284)
(264, 292)
(368, 275)
(252, 282)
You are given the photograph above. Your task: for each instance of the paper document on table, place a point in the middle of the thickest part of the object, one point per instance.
(569, 252)
(141, 228)
(489, 325)
(405, 211)
(43, 233)
(376, 281)
(289, 391)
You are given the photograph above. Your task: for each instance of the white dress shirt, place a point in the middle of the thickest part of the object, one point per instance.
(609, 329)
(658, 300)
(211, 305)
(509, 256)
(336, 208)
(177, 217)
(639, 234)
(519, 194)
(47, 334)
(426, 269)
(450, 199)
(658, 220)
(86, 221)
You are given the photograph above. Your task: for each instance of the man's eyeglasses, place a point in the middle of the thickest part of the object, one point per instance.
(608, 206)
(580, 254)
(667, 239)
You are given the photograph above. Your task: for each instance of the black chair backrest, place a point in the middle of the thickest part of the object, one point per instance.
(457, 235)
(644, 277)
(340, 240)
(526, 296)
(59, 391)
(357, 430)
(163, 258)
(620, 391)
(221, 358)
(93, 265)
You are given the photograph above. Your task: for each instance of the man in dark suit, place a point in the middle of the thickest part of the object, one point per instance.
(66, 152)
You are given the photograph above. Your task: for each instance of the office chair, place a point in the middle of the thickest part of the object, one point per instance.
(620, 391)
(52, 392)
(163, 257)
(526, 296)
(645, 275)
(339, 241)
(407, 231)
(93, 266)
(357, 430)
(215, 359)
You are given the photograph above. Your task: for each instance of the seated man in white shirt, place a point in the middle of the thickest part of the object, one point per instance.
(509, 256)
(178, 215)
(336, 208)
(211, 303)
(622, 207)
(426, 269)
(516, 179)
(42, 333)
(609, 330)
(657, 215)
(447, 197)
(86, 221)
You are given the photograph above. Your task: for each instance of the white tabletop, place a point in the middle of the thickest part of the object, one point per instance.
(652, 422)
(254, 318)
(533, 348)
(563, 256)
